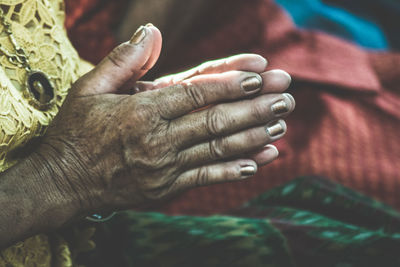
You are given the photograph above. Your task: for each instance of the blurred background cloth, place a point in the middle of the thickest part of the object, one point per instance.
(347, 122)
(384, 13)
(331, 17)
(371, 24)
(307, 222)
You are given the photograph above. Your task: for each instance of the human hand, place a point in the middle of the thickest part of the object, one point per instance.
(112, 150)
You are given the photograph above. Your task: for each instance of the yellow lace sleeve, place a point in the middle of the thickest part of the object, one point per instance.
(37, 26)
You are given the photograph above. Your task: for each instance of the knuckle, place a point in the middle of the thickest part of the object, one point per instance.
(259, 111)
(181, 159)
(142, 114)
(118, 55)
(196, 94)
(217, 148)
(143, 110)
(150, 157)
(216, 121)
(202, 176)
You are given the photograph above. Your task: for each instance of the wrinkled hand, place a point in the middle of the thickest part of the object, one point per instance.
(208, 125)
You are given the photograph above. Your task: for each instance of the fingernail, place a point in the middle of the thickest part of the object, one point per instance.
(149, 25)
(272, 148)
(279, 107)
(139, 35)
(247, 171)
(252, 84)
(275, 129)
(289, 96)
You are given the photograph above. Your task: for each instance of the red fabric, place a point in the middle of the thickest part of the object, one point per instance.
(347, 122)
(90, 26)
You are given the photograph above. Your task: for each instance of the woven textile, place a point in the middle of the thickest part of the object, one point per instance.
(307, 222)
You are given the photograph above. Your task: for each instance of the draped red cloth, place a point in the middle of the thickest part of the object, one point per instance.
(90, 26)
(347, 122)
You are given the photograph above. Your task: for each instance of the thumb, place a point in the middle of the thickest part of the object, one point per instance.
(129, 61)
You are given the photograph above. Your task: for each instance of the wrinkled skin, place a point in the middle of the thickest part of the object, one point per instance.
(135, 149)
(119, 143)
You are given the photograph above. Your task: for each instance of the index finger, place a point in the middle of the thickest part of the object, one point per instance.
(242, 62)
(204, 90)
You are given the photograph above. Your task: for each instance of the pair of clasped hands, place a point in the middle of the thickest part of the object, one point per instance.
(119, 143)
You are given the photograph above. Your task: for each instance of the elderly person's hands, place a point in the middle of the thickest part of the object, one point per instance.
(108, 149)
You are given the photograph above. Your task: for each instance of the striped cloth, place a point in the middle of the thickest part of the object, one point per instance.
(347, 123)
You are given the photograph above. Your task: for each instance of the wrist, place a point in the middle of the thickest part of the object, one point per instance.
(59, 183)
(30, 204)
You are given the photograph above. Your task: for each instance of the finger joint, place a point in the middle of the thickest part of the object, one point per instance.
(195, 94)
(259, 112)
(201, 176)
(216, 149)
(216, 120)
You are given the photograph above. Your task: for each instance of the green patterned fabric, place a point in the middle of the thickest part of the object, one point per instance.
(308, 222)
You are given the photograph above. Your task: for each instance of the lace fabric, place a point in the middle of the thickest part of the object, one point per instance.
(38, 27)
